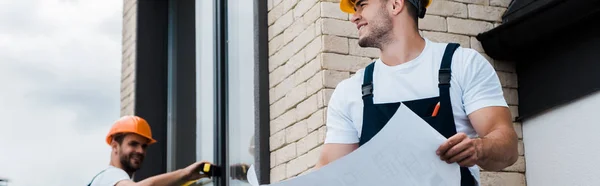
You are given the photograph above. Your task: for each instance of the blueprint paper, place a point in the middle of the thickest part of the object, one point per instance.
(402, 153)
(251, 176)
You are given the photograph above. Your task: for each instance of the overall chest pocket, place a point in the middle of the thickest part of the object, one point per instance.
(424, 108)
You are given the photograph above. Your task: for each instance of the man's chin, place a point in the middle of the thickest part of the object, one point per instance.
(361, 40)
(363, 43)
(135, 165)
(135, 168)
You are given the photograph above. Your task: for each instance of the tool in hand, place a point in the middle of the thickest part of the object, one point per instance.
(208, 169)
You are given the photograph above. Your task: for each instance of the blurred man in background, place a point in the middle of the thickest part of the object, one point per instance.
(129, 137)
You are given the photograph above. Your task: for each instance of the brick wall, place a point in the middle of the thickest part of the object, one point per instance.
(128, 61)
(313, 46)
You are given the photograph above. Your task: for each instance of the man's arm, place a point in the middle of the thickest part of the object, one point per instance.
(332, 152)
(498, 146)
(496, 149)
(483, 100)
(341, 137)
(171, 178)
(175, 178)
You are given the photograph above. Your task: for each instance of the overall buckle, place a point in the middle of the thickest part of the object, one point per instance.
(444, 76)
(367, 89)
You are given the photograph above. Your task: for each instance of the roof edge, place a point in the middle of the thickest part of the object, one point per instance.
(510, 40)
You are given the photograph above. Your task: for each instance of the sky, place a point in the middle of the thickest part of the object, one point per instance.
(60, 65)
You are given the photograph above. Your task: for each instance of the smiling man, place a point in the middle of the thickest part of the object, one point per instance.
(129, 137)
(454, 89)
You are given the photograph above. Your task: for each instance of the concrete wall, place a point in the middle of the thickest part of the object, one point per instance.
(313, 46)
(128, 61)
(562, 144)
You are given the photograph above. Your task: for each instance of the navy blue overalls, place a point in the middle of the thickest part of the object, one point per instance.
(375, 116)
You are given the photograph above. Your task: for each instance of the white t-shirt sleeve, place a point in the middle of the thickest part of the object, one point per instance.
(481, 86)
(110, 177)
(340, 128)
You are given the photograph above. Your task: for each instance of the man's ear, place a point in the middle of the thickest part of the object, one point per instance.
(397, 6)
(114, 145)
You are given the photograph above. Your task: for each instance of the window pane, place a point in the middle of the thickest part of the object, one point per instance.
(205, 81)
(241, 87)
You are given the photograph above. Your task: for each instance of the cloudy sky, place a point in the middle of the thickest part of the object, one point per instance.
(59, 88)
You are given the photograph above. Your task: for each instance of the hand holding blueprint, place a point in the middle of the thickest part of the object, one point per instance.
(402, 153)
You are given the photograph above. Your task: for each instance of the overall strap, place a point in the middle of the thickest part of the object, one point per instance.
(447, 117)
(444, 77)
(367, 86)
(444, 73)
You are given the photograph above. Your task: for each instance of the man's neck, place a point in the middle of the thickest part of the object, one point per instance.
(115, 163)
(402, 50)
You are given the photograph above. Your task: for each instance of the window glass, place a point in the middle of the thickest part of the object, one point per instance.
(241, 88)
(240, 85)
(205, 81)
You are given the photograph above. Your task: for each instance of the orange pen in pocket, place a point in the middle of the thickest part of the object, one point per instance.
(435, 110)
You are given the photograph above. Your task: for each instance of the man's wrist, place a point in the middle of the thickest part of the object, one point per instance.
(479, 144)
(180, 175)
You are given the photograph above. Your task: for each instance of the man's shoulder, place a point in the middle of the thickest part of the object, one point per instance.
(349, 88)
(112, 169)
(467, 53)
(463, 56)
(461, 50)
(355, 80)
(110, 176)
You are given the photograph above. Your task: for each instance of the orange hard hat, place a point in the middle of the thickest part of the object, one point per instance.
(131, 124)
(348, 5)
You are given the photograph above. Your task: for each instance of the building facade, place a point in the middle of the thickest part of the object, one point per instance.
(249, 81)
(554, 44)
(313, 46)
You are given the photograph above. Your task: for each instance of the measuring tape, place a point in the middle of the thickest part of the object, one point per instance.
(208, 169)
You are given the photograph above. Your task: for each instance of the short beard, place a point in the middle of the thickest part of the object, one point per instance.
(380, 31)
(126, 162)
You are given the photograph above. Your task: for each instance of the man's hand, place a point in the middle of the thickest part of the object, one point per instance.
(496, 148)
(179, 177)
(460, 149)
(239, 171)
(192, 172)
(332, 152)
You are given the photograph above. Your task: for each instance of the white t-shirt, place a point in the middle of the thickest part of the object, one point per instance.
(474, 85)
(110, 177)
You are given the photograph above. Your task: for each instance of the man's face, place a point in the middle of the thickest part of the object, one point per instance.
(373, 22)
(132, 152)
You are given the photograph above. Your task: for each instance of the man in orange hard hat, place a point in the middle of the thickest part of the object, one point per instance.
(129, 137)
